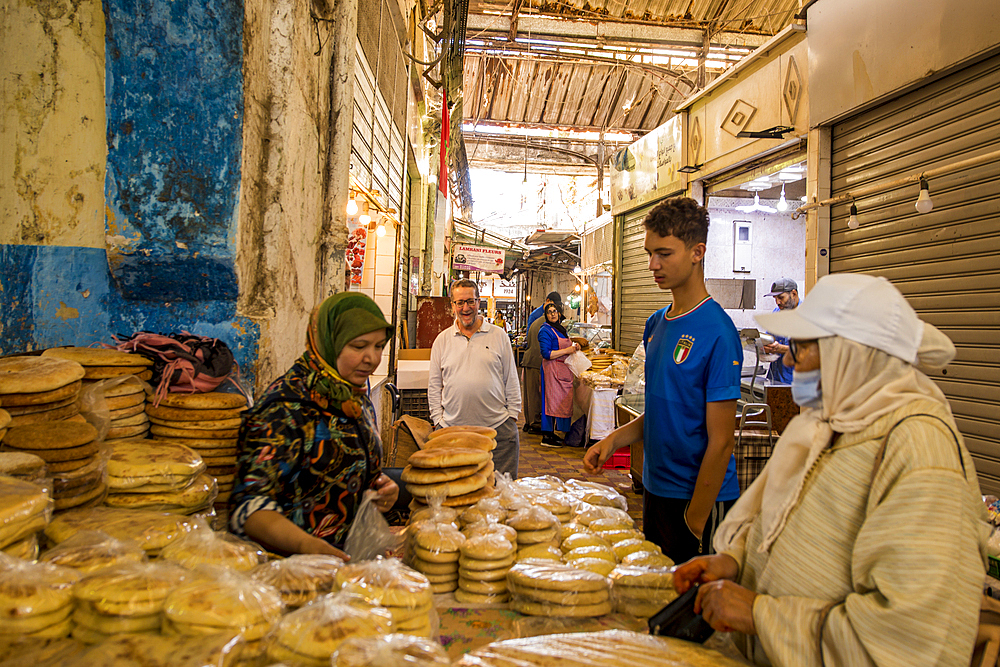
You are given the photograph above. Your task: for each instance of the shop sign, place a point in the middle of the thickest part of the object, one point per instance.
(648, 166)
(498, 289)
(477, 258)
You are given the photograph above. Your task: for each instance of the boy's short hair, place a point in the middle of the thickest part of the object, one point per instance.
(681, 217)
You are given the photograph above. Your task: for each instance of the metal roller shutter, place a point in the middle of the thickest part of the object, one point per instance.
(636, 295)
(945, 261)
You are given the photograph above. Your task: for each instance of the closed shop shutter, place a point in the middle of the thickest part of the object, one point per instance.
(636, 295)
(945, 261)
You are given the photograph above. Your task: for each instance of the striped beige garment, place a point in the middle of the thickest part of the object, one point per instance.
(899, 570)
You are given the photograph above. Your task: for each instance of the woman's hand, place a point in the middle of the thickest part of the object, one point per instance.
(387, 491)
(317, 545)
(704, 569)
(726, 606)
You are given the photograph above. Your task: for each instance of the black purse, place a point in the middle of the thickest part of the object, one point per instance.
(678, 620)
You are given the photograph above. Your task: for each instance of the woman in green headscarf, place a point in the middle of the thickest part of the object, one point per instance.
(310, 447)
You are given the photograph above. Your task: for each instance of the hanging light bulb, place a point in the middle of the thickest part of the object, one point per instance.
(852, 222)
(757, 206)
(380, 230)
(782, 203)
(924, 203)
(364, 219)
(352, 207)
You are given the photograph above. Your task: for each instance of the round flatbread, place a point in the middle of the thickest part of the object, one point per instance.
(482, 587)
(456, 487)
(462, 441)
(531, 608)
(139, 462)
(95, 494)
(29, 375)
(469, 498)
(62, 467)
(215, 400)
(84, 477)
(488, 547)
(187, 414)
(484, 575)
(556, 577)
(109, 372)
(448, 458)
(15, 410)
(199, 443)
(68, 454)
(21, 464)
(55, 414)
(126, 387)
(479, 565)
(413, 475)
(450, 430)
(50, 436)
(430, 567)
(129, 411)
(71, 390)
(4, 420)
(219, 604)
(96, 356)
(125, 401)
(127, 431)
(204, 425)
(215, 434)
(139, 419)
(475, 598)
(435, 556)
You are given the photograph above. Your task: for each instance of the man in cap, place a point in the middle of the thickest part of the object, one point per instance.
(862, 541)
(531, 362)
(786, 297)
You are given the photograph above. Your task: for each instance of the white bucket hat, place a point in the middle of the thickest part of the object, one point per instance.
(866, 309)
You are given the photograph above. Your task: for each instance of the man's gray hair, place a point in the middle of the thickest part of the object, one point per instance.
(463, 282)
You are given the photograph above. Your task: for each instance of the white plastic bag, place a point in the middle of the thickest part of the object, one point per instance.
(369, 535)
(578, 363)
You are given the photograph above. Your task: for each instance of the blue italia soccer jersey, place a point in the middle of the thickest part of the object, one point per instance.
(691, 360)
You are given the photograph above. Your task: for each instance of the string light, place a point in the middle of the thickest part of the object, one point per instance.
(364, 219)
(352, 207)
(924, 203)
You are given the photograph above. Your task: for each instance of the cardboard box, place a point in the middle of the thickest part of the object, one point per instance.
(418, 354)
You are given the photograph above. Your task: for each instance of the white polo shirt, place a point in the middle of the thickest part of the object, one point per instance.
(473, 381)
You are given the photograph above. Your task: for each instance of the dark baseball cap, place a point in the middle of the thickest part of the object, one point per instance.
(782, 285)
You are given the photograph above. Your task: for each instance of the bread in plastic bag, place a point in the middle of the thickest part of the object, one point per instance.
(510, 496)
(539, 483)
(492, 552)
(31, 652)
(610, 648)
(489, 527)
(36, 599)
(197, 496)
(217, 649)
(25, 509)
(534, 525)
(91, 550)
(26, 549)
(152, 466)
(22, 465)
(641, 590)
(543, 588)
(208, 547)
(369, 535)
(151, 530)
(218, 600)
(300, 578)
(307, 637)
(96, 405)
(406, 593)
(542, 551)
(596, 494)
(647, 558)
(484, 510)
(587, 513)
(393, 650)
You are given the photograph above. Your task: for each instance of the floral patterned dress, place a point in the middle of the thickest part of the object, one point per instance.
(299, 454)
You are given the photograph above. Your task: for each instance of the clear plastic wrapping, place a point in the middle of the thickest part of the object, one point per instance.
(406, 593)
(369, 535)
(91, 550)
(511, 498)
(310, 635)
(596, 494)
(541, 588)
(207, 547)
(642, 591)
(539, 483)
(587, 513)
(485, 510)
(152, 466)
(25, 509)
(300, 578)
(36, 599)
(394, 650)
(221, 649)
(197, 496)
(534, 525)
(26, 549)
(151, 530)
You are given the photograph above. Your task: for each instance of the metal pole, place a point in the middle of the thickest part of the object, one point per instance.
(333, 236)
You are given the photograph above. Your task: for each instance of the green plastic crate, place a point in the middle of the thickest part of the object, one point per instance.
(994, 570)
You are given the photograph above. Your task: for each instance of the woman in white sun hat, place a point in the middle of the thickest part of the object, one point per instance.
(862, 541)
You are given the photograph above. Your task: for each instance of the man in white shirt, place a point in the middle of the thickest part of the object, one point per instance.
(473, 377)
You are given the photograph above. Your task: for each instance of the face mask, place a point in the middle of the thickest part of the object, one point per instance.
(806, 391)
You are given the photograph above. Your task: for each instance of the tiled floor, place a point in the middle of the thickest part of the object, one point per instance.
(567, 463)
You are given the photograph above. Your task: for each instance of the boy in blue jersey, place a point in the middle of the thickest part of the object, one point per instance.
(693, 362)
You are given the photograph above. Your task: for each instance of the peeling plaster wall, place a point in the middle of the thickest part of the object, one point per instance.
(285, 132)
(52, 127)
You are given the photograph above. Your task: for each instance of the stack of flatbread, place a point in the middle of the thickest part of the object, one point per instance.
(25, 508)
(207, 547)
(483, 567)
(642, 591)
(158, 476)
(542, 588)
(456, 466)
(589, 552)
(309, 636)
(102, 364)
(404, 592)
(207, 423)
(391, 651)
(154, 650)
(39, 389)
(151, 530)
(22, 465)
(300, 578)
(126, 402)
(70, 452)
(35, 599)
(223, 600)
(123, 598)
(92, 550)
(435, 554)
(535, 525)
(4, 423)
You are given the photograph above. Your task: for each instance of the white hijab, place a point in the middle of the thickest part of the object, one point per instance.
(860, 384)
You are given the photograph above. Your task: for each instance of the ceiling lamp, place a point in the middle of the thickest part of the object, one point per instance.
(852, 222)
(924, 203)
(756, 206)
(782, 203)
(352, 208)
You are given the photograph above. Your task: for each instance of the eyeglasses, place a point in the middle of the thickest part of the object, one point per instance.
(795, 345)
(466, 302)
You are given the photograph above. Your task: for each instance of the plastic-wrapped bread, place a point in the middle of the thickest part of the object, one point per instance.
(487, 583)
(36, 599)
(641, 591)
(610, 648)
(300, 578)
(152, 465)
(534, 525)
(207, 547)
(309, 636)
(394, 650)
(542, 588)
(151, 530)
(585, 514)
(406, 593)
(487, 509)
(596, 494)
(648, 559)
(92, 550)
(25, 509)
(222, 649)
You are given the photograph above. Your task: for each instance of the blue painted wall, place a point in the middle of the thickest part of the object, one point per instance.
(174, 100)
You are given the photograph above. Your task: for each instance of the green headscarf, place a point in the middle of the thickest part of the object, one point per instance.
(340, 319)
